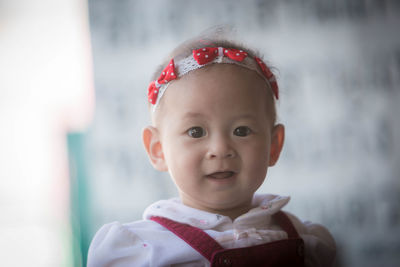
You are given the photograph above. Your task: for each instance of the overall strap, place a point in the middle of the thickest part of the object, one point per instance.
(205, 244)
(195, 237)
(283, 221)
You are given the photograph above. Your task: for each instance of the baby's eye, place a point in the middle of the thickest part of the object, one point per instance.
(196, 132)
(242, 131)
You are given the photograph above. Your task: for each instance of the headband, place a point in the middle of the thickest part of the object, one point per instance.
(203, 57)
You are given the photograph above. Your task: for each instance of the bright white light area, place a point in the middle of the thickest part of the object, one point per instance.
(46, 89)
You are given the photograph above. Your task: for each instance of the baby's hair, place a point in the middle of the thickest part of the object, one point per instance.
(215, 39)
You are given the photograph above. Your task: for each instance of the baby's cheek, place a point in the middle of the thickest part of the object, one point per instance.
(258, 162)
(186, 159)
(257, 150)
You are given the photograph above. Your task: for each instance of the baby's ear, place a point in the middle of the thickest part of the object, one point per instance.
(152, 144)
(277, 139)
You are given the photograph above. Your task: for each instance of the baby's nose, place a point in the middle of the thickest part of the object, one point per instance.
(220, 149)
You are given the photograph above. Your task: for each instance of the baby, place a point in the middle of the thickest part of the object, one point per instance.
(214, 130)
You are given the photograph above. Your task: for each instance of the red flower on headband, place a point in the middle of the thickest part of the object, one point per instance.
(152, 93)
(167, 75)
(208, 54)
(203, 56)
(269, 75)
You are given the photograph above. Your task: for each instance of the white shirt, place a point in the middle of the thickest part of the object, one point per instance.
(147, 243)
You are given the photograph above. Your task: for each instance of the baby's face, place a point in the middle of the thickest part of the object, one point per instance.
(215, 130)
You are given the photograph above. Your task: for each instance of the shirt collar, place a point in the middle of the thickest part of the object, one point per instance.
(264, 206)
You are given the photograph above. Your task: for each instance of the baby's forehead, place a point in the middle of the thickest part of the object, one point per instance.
(225, 74)
(219, 85)
(206, 65)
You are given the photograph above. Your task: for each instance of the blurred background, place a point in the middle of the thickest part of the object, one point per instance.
(73, 82)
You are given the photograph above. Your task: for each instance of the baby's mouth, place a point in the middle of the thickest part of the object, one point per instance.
(221, 175)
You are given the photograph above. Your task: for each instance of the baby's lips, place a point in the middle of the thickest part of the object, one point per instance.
(221, 174)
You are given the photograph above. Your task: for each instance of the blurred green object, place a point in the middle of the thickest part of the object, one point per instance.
(80, 210)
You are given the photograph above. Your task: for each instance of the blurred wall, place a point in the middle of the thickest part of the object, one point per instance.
(46, 89)
(338, 68)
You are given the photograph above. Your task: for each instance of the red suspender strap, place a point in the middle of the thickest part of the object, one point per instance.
(283, 221)
(195, 237)
(205, 244)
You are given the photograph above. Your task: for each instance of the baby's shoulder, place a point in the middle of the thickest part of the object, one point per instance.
(133, 231)
(130, 242)
(311, 228)
(319, 243)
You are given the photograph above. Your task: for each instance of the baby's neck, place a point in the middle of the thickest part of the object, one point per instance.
(232, 213)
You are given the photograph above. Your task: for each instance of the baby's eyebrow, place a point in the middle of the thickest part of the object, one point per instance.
(194, 115)
(191, 115)
(245, 116)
